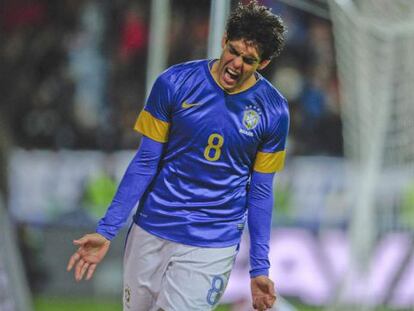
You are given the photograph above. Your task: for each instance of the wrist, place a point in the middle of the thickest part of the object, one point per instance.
(259, 272)
(105, 235)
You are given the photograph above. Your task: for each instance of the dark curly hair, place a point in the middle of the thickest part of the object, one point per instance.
(256, 23)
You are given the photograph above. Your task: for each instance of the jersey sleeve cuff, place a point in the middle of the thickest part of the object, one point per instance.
(105, 234)
(257, 272)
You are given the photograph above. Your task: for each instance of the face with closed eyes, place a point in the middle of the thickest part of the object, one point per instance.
(235, 69)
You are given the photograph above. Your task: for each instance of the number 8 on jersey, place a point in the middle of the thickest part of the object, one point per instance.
(212, 151)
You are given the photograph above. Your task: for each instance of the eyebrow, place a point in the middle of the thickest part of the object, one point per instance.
(250, 58)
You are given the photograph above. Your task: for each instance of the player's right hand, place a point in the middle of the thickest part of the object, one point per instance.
(92, 249)
(263, 293)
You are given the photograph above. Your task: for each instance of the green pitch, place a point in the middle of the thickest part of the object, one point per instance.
(83, 304)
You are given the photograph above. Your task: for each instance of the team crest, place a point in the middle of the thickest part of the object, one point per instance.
(251, 117)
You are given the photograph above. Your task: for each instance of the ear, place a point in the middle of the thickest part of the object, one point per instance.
(224, 40)
(263, 64)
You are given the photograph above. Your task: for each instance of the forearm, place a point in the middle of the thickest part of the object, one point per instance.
(260, 205)
(135, 181)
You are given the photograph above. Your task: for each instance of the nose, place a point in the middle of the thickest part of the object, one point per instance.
(237, 62)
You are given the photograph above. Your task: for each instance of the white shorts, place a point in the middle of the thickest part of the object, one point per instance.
(164, 275)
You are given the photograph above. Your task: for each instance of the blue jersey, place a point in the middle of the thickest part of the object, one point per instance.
(213, 141)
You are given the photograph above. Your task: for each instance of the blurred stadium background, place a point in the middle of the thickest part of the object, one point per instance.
(73, 77)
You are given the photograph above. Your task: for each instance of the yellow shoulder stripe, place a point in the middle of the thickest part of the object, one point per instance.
(152, 127)
(269, 162)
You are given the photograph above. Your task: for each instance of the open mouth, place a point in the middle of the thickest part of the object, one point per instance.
(231, 76)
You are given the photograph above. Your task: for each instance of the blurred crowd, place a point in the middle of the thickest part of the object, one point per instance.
(72, 72)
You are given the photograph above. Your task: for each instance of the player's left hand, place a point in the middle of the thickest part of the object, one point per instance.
(263, 292)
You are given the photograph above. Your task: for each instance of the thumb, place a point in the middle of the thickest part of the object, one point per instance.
(270, 287)
(82, 241)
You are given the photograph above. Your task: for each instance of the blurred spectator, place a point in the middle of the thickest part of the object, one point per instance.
(189, 31)
(87, 67)
(306, 75)
(133, 35)
(22, 14)
(33, 84)
(98, 193)
(126, 82)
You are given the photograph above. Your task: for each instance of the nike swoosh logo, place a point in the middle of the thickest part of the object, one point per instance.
(185, 105)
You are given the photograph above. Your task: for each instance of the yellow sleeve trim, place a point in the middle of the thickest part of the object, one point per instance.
(152, 127)
(269, 162)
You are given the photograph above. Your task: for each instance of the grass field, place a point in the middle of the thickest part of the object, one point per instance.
(83, 304)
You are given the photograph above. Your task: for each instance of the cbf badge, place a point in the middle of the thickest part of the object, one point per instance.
(251, 117)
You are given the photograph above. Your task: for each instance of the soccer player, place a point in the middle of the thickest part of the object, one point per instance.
(214, 134)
